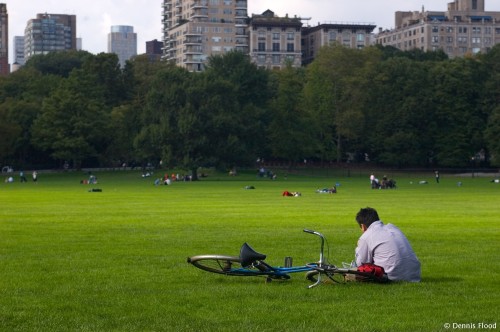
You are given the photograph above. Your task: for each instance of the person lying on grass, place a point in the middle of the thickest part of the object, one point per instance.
(385, 246)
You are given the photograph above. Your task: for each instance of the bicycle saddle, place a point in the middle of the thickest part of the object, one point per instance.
(248, 255)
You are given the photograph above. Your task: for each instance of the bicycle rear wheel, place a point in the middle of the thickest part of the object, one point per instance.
(227, 265)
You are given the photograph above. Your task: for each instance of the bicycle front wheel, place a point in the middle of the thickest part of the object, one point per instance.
(228, 265)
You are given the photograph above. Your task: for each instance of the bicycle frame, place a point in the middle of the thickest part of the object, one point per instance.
(251, 263)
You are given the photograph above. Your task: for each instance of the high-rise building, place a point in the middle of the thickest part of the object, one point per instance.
(4, 40)
(122, 40)
(465, 28)
(19, 50)
(49, 33)
(193, 30)
(275, 41)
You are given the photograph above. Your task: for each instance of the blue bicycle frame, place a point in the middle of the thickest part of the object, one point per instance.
(251, 263)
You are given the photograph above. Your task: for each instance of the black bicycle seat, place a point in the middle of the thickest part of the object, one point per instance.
(248, 255)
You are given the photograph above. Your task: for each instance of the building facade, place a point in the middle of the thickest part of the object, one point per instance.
(154, 50)
(49, 33)
(275, 41)
(465, 28)
(352, 35)
(122, 40)
(18, 51)
(193, 30)
(4, 40)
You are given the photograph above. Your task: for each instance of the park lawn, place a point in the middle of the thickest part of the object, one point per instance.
(74, 260)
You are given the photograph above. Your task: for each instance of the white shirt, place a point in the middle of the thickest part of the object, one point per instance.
(387, 246)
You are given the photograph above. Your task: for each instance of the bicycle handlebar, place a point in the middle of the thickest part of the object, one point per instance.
(321, 256)
(314, 232)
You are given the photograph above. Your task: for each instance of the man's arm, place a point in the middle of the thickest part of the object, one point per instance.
(363, 254)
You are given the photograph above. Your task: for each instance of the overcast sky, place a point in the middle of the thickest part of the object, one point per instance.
(95, 17)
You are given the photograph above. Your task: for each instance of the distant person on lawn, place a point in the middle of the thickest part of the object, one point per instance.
(385, 246)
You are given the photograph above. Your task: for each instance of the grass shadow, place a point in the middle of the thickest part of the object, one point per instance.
(441, 280)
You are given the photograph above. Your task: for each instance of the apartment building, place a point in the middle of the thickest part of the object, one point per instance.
(18, 53)
(196, 29)
(275, 41)
(352, 35)
(154, 50)
(4, 40)
(49, 33)
(465, 28)
(122, 40)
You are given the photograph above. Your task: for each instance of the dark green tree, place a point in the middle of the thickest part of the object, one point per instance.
(460, 116)
(491, 62)
(290, 132)
(75, 120)
(336, 87)
(399, 108)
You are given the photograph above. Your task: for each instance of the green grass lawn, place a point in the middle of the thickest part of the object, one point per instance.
(74, 260)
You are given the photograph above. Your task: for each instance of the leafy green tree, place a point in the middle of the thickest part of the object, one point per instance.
(9, 132)
(335, 90)
(491, 62)
(58, 63)
(75, 120)
(246, 117)
(492, 135)
(399, 113)
(290, 129)
(158, 136)
(461, 119)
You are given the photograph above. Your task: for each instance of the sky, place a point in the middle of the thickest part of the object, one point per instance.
(95, 17)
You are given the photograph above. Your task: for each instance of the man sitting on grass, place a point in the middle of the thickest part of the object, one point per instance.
(386, 246)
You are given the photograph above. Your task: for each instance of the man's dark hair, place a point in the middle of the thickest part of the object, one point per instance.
(367, 216)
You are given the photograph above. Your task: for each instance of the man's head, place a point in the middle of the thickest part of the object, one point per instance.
(366, 217)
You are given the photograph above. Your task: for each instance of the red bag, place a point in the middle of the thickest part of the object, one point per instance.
(372, 270)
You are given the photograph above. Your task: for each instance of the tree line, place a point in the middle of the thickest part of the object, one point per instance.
(377, 105)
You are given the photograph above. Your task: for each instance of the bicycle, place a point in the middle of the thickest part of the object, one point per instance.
(252, 263)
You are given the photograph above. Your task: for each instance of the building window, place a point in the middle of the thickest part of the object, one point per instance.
(262, 47)
(474, 4)
(276, 35)
(332, 35)
(360, 37)
(261, 58)
(290, 47)
(290, 36)
(476, 40)
(276, 59)
(276, 47)
(435, 39)
(449, 40)
(462, 29)
(435, 28)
